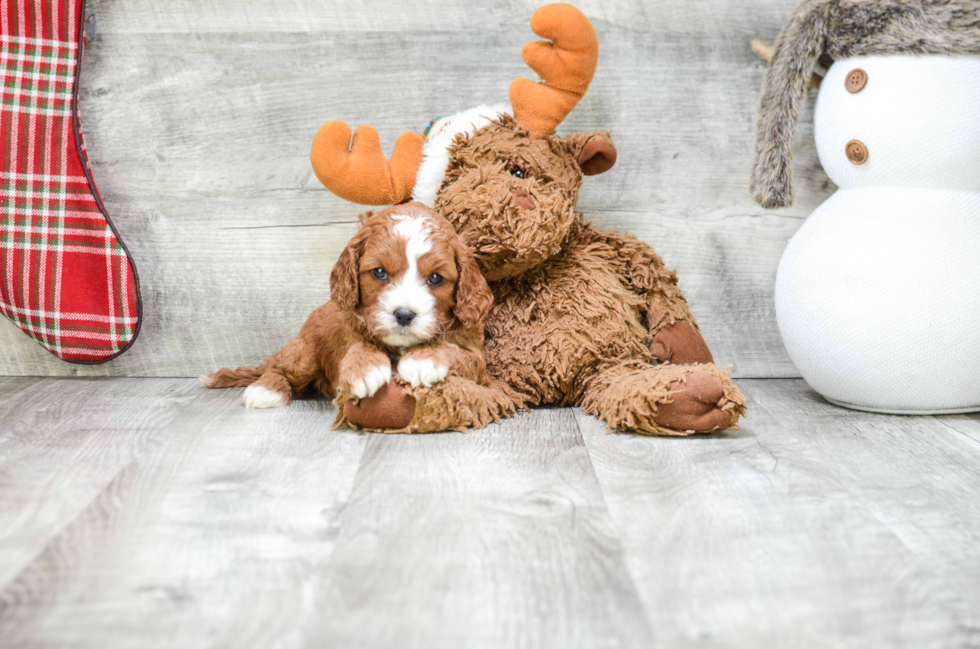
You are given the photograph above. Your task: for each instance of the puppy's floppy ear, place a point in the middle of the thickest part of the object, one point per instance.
(594, 151)
(473, 296)
(364, 216)
(345, 284)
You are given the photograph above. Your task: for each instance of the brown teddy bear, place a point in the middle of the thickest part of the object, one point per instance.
(582, 316)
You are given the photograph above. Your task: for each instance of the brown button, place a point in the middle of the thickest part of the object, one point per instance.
(856, 80)
(856, 152)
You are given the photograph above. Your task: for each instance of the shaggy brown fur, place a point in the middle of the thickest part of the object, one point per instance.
(577, 309)
(839, 29)
(340, 343)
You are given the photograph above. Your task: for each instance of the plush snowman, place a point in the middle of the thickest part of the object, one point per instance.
(878, 293)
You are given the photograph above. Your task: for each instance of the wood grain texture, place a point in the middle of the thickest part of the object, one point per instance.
(61, 443)
(263, 16)
(248, 528)
(152, 513)
(496, 538)
(812, 526)
(218, 531)
(199, 115)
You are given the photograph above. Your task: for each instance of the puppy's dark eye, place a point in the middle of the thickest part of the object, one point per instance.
(435, 279)
(380, 273)
(518, 172)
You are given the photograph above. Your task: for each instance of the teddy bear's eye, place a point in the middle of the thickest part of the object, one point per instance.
(518, 172)
(380, 273)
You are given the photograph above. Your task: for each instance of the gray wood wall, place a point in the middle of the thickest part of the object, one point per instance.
(198, 115)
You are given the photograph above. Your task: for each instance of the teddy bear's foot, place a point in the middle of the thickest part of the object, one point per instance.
(694, 405)
(390, 408)
(665, 399)
(681, 344)
(455, 404)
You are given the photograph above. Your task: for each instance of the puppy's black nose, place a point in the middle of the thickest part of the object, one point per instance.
(404, 317)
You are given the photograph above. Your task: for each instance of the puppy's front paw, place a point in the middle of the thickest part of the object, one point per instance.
(421, 372)
(371, 381)
(258, 397)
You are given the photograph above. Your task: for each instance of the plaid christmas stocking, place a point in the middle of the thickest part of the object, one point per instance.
(66, 279)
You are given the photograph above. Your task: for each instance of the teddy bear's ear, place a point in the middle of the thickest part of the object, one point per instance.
(594, 151)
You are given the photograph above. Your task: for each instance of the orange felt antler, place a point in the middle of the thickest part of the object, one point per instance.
(358, 171)
(565, 65)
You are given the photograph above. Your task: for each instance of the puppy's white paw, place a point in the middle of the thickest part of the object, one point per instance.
(421, 372)
(258, 397)
(371, 382)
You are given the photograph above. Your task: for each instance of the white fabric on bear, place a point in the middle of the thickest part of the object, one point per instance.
(878, 293)
(435, 151)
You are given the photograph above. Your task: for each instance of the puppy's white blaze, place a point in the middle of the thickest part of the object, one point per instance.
(411, 290)
(258, 397)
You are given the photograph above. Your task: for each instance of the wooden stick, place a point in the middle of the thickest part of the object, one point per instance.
(762, 49)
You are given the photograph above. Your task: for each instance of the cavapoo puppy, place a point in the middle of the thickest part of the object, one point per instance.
(404, 293)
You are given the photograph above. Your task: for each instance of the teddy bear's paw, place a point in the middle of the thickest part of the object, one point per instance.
(695, 405)
(390, 408)
(680, 344)
(421, 372)
(371, 381)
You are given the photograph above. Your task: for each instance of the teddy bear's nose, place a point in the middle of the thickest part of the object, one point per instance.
(523, 200)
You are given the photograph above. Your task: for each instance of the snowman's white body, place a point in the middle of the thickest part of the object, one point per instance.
(878, 293)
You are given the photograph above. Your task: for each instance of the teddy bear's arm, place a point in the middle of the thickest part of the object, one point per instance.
(676, 336)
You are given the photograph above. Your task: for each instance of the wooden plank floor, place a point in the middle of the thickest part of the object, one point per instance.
(150, 512)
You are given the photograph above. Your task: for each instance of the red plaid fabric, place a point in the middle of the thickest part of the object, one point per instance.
(65, 277)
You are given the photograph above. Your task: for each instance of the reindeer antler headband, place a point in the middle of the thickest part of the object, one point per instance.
(566, 66)
(356, 169)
